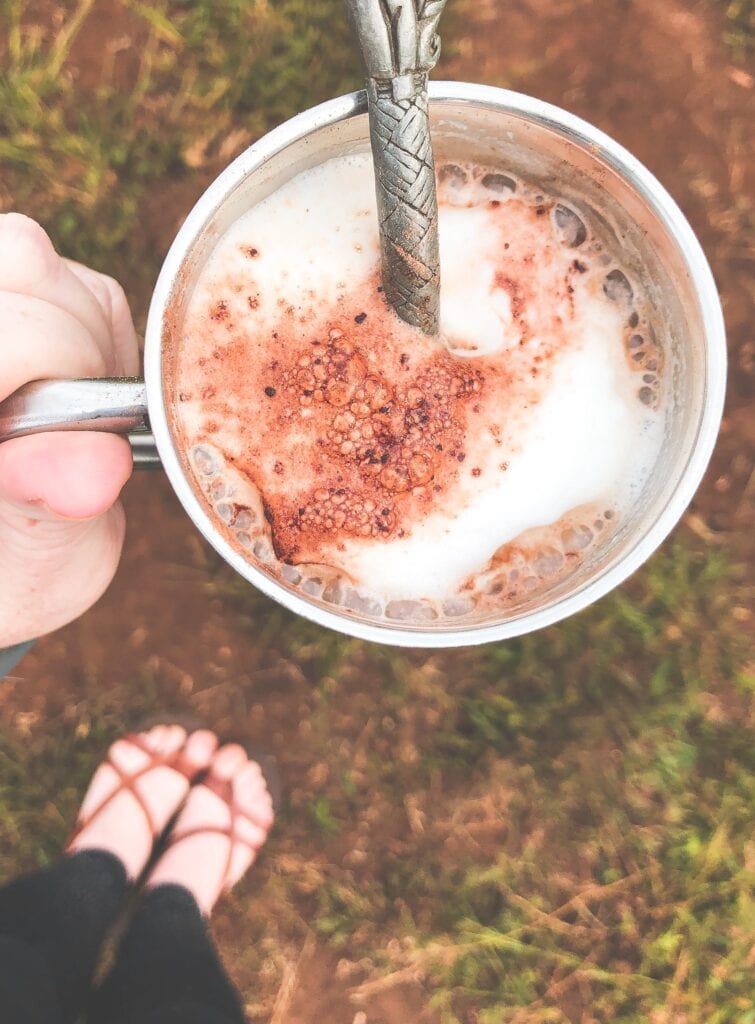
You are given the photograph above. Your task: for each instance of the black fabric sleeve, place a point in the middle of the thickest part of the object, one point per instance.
(10, 656)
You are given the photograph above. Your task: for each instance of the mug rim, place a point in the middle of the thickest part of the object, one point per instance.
(673, 222)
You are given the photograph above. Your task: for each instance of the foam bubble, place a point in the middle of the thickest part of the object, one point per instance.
(571, 227)
(499, 183)
(452, 176)
(204, 460)
(617, 287)
(411, 611)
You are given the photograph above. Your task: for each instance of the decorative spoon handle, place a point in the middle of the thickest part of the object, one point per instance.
(399, 45)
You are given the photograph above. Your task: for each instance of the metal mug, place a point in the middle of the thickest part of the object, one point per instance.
(471, 123)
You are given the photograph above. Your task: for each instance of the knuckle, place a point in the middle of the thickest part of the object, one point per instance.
(27, 255)
(98, 284)
(116, 293)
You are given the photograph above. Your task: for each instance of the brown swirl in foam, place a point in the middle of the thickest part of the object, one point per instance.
(471, 185)
(514, 579)
(389, 441)
(385, 438)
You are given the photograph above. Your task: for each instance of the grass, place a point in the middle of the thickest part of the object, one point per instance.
(561, 820)
(554, 829)
(579, 808)
(213, 76)
(739, 31)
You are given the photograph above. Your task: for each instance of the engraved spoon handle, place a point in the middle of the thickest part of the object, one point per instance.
(399, 45)
(117, 405)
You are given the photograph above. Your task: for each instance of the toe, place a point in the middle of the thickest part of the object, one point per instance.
(174, 740)
(155, 738)
(199, 750)
(252, 797)
(242, 859)
(249, 781)
(249, 833)
(228, 760)
(104, 782)
(165, 739)
(161, 791)
(128, 757)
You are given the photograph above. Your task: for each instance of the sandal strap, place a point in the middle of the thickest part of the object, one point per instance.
(223, 789)
(227, 832)
(127, 783)
(177, 761)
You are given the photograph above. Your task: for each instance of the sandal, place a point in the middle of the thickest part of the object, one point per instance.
(220, 829)
(144, 780)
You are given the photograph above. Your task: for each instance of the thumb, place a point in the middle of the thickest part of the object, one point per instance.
(63, 475)
(61, 527)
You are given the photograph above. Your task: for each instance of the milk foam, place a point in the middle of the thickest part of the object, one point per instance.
(561, 428)
(468, 285)
(585, 412)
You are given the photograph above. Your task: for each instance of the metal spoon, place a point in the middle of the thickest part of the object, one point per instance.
(399, 45)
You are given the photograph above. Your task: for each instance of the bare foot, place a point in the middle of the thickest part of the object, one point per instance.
(225, 821)
(137, 790)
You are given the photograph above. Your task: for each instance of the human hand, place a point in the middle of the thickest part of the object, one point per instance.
(61, 526)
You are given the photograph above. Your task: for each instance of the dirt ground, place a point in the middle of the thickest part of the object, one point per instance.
(660, 79)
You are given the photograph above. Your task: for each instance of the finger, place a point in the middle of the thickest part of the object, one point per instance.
(112, 299)
(60, 533)
(74, 476)
(40, 340)
(30, 266)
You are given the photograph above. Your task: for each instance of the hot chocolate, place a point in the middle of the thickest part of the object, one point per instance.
(399, 475)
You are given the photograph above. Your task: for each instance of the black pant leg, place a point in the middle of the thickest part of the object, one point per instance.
(52, 925)
(167, 970)
(186, 1013)
(27, 990)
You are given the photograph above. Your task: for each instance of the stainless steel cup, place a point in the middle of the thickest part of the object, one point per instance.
(539, 142)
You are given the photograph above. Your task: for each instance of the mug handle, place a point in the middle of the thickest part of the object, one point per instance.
(117, 405)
